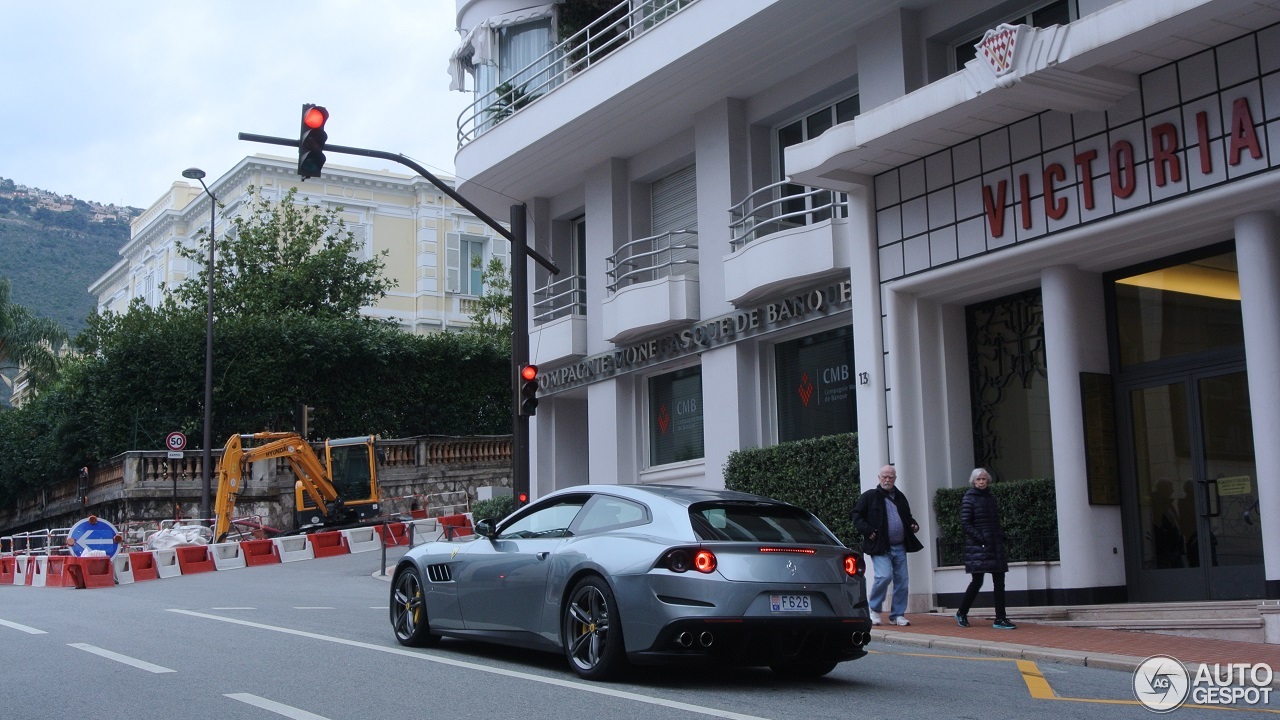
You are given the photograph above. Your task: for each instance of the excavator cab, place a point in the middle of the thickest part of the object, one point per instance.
(352, 465)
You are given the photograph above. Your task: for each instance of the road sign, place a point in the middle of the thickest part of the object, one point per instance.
(93, 533)
(175, 441)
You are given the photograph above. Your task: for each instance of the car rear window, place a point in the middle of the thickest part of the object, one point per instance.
(756, 522)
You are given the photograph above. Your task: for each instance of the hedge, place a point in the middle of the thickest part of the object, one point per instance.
(1028, 514)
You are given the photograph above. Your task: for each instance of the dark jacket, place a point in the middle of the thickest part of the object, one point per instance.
(869, 515)
(983, 539)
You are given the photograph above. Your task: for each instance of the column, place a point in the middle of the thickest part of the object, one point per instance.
(1258, 260)
(1075, 337)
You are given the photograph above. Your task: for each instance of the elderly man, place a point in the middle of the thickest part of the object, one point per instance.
(883, 517)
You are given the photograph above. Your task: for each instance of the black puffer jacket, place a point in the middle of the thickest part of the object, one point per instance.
(983, 538)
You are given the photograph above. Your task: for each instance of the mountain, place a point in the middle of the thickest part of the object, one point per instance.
(53, 246)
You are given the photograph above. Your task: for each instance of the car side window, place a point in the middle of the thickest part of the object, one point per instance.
(608, 512)
(550, 521)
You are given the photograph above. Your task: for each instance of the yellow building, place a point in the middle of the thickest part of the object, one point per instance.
(430, 239)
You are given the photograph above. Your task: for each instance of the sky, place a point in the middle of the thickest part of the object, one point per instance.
(110, 100)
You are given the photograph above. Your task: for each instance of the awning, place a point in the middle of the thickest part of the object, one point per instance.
(476, 47)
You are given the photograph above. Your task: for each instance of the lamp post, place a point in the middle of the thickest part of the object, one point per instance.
(206, 456)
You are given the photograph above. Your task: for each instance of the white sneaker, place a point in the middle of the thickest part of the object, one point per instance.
(875, 618)
(900, 620)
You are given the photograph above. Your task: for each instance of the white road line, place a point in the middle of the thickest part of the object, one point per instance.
(570, 684)
(140, 664)
(278, 708)
(23, 628)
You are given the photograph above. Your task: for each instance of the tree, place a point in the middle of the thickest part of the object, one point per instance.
(28, 341)
(285, 258)
(492, 315)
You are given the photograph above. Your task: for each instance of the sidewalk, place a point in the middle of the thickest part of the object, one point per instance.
(1110, 649)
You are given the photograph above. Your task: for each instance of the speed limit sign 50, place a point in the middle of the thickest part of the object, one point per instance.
(175, 441)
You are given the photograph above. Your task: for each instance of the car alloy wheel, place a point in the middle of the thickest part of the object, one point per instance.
(409, 611)
(592, 630)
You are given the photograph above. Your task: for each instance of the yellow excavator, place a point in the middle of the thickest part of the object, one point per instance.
(342, 490)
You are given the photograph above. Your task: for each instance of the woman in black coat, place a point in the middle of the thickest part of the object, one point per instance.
(983, 547)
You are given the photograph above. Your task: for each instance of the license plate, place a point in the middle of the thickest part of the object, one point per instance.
(790, 603)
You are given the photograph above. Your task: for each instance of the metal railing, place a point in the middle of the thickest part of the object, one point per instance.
(559, 299)
(782, 206)
(672, 253)
(617, 27)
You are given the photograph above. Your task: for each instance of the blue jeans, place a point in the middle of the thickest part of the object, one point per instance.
(894, 565)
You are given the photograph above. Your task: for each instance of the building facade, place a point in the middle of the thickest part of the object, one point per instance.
(1038, 237)
(432, 242)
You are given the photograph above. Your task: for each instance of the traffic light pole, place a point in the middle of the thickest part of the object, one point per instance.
(520, 254)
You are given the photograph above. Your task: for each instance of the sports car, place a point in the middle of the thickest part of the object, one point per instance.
(617, 574)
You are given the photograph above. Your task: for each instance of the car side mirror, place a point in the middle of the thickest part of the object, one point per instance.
(487, 527)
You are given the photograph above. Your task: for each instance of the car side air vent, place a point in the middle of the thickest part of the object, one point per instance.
(440, 573)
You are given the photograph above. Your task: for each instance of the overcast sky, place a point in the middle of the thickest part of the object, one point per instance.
(109, 100)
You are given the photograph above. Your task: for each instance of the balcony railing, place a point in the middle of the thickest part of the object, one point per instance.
(669, 254)
(559, 299)
(617, 27)
(781, 206)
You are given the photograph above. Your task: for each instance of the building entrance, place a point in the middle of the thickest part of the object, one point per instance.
(1189, 484)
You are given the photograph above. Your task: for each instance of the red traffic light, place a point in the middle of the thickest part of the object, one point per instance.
(529, 372)
(523, 497)
(315, 117)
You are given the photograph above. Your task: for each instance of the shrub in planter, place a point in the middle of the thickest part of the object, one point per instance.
(497, 508)
(819, 475)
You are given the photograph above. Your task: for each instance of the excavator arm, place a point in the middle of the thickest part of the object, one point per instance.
(312, 476)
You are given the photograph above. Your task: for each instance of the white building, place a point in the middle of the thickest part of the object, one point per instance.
(431, 240)
(1038, 237)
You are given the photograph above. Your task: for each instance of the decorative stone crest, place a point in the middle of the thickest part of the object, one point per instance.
(999, 45)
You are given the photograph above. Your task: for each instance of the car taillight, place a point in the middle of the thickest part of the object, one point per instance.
(704, 561)
(851, 565)
(677, 561)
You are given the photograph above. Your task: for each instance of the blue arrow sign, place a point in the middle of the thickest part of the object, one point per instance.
(93, 534)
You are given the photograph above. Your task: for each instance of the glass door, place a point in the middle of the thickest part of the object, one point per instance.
(1196, 495)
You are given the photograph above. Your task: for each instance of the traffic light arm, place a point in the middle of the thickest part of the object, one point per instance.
(444, 188)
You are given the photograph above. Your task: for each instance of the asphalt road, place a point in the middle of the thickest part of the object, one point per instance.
(311, 640)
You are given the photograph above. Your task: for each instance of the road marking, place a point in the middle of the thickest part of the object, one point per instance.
(570, 684)
(1039, 687)
(23, 628)
(278, 708)
(140, 664)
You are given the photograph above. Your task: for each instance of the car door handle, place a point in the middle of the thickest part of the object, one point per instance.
(542, 555)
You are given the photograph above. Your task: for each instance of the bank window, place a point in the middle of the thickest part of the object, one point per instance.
(675, 417)
(1008, 384)
(814, 383)
(1057, 12)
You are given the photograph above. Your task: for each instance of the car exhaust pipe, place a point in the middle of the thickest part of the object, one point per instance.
(684, 639)
(705, 639)
(861, 638)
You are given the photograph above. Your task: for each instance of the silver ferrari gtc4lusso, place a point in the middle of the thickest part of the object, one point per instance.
(618, 574)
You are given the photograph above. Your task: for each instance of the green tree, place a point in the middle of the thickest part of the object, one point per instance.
(285, 258)
(27, 341)
(492, 315)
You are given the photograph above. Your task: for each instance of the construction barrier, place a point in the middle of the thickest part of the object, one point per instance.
(394, 533)
(327, 544)
(6, 570)
(167, 563)
(22, 569)
(293, 548)
(144, 566)
(90, 572)
(360, 540)
(122, 568)
(258, 552)
(39, 571)
(58, 572)
(227, 556)
(456, 526)
(194, 559)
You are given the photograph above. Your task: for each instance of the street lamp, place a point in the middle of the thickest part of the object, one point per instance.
(206, 457)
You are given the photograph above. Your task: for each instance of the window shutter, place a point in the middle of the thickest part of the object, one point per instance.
(452, 262)
(675, 201)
